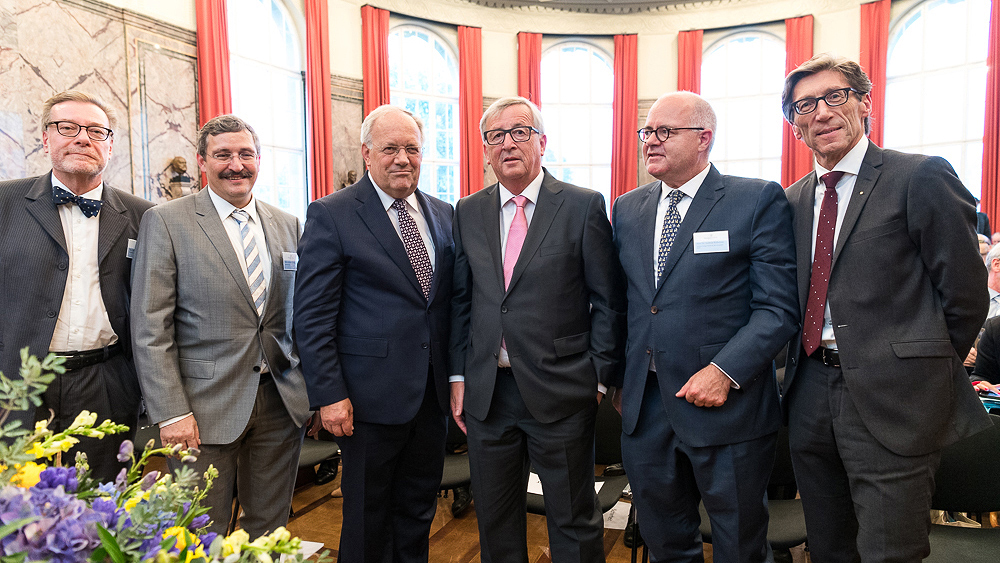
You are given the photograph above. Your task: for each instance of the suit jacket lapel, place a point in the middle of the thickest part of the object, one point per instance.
(549, 201)
(377, 221)
(803, 225)
(491, 226)
(434, 227)
(710, 192)
(41, 207)
(863, 186)
(273, 249)
(211, 224)
(648, 229)
(112, 222)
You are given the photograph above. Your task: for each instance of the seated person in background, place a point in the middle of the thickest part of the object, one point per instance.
(984, 246)
(996, 238)
(987, 371)
(993, 285)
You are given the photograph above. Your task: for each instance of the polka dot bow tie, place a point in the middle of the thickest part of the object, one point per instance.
(90, 207)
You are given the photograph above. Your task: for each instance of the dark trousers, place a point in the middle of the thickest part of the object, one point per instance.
(669, 478)
(862, 501)
(108, 389)
(260, 465)
(390, 481)
(502, 447)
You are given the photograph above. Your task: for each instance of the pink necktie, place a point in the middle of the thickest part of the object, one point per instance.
(515, 239)
(819, 281)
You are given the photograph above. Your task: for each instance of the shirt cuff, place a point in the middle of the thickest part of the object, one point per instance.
(456, 379)
(732, 382)
(602, 389)
(170, 421)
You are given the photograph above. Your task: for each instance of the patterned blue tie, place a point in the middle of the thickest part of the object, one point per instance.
(89, 207)
(255, 273)
(671, 222)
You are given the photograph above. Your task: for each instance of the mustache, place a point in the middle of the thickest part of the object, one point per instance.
(230, 174)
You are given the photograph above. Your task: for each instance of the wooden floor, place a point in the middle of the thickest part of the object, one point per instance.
(453, 540)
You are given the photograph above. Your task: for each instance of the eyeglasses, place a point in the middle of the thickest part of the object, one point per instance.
(833, 99)
(227, 157)
(663, 133)
(392, 151)
(517, 134)
(70, 129)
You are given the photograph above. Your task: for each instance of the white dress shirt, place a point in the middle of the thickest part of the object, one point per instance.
(850, 165)
(413, 207)
(690, 188)
(83, 322)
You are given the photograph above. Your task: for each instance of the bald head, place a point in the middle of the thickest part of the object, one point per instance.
(680, 132)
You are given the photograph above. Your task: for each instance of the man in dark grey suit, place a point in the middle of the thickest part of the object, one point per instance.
(710, 262)
(371, 322)
(537, 323)
(64, 275)
(212, 312)
(892, 293)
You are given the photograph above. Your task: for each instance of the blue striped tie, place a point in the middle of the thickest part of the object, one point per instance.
(251, 257)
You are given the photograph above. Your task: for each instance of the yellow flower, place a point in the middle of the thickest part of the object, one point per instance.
(65, 444)
(196, 550)
(85, 418)
(234, 543)
(28, 475)
(37, 451)
(131, 502)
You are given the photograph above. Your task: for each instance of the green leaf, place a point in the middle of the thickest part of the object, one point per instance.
(110, 544)
(16, 525)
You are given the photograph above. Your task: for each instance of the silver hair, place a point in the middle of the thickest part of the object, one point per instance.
(993, 254)
(369, 122)
(702, 114)
(503, 103)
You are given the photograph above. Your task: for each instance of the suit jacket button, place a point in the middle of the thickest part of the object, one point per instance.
(503, 309)
(260, 328)
(654, 310)
(62, 265)
(256, 368)
(423, 345)
(50, 314)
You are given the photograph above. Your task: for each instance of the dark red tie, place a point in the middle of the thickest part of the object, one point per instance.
(812, 326)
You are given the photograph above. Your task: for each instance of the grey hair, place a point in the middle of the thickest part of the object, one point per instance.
(78, 96)
(850, 70)
(993, 254)
(369, 123)
(218, 125)
(503, 103)
(702, 114)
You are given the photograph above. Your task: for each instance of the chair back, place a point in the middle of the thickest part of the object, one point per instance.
(967, 479)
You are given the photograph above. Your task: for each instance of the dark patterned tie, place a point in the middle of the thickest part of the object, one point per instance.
(89, 207)
(671, 222)
(819, 281)
(415, 248)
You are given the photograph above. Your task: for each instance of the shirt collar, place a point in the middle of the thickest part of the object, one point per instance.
(851, 163)
(96, 193)
(387, 200)
(690, 188)
(225, 209)
(530, 192)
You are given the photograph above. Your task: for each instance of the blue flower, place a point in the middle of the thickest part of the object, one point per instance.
(200, 522)
(53, 477)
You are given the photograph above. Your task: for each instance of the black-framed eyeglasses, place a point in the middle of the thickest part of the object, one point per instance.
(392, 150)
(70, 129)
(663, 133)
(517, 134)
(833, 99)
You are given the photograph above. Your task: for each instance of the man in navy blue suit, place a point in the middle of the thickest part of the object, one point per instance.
(371, 323)
(710, 262)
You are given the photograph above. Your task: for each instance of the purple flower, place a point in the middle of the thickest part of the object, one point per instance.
(121, 481)
(149, 480)
(200, 522)
(53, 477)
(125, 451)
(64, 529)
(207, 539)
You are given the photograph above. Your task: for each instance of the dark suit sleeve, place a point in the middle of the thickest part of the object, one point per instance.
(774, 303)
(940, 218)
(606, 282)
(318, 285)
(461, 299)
(987, 360)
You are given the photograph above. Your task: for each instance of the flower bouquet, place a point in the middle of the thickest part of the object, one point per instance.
(49, 512)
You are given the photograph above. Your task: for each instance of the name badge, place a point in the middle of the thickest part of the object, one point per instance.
(711, 241)
(130, 251)
(290, 260)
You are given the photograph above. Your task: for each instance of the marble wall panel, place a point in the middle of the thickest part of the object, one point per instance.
(347, 114)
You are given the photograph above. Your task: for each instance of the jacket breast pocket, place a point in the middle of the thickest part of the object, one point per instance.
(569, 345)
(923, 349)
(553, 249)
(358, 346)
(197, 369)
(879, 230)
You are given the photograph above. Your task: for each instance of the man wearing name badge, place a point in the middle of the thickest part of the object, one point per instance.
(710, 263)
(892, 293)
(66, 241)
(371, 322)
(537, 320)
(212, 304)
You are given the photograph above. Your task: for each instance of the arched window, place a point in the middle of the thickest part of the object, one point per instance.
(935, 95)
(577, 92)
(423, 78)
(268, 88)
(741, 75)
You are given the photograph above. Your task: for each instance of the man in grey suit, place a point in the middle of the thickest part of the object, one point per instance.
(213, 280)
(66, 242)
(537, 321)
(892, 294)
(710, 262)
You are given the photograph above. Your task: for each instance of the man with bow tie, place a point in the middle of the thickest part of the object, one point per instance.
(66, 242)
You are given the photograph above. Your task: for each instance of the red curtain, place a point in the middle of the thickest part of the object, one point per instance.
(874, 49)
(991, 134)
(318, 96)
(624, 142)
(529, 66)
(796, 158)
(470, 108)
(375, 57)
(689, 60)
(214, 96)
